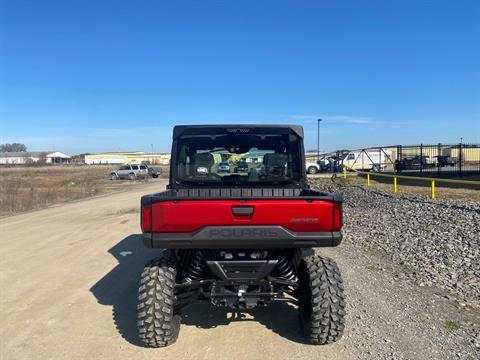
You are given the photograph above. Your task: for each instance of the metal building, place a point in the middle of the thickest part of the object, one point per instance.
(118, 158)
(26, 157)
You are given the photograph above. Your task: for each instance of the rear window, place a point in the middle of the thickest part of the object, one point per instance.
(124, 168)
(135, 167)
(143, 167)
(251, 159)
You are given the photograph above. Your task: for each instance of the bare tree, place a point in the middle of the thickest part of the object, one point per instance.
(42, 160)
(15, 147)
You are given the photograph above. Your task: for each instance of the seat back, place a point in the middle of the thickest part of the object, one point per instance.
(202, 160)
(275, 164)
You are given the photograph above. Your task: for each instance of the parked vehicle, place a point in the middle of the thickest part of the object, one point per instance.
(367, 160)
(416, 162)
(444, 160)
(331, 162)
(260, 169)
(240, 240)
(154, 172)
(223, 167)
(317, 166)
(130, 172)
(241, 166)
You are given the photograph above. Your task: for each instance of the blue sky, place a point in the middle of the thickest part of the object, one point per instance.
(95, 76)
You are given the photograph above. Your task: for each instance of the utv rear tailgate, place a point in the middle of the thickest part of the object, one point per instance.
(253, 222)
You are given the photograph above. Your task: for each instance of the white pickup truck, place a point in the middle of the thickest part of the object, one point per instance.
(318, 166)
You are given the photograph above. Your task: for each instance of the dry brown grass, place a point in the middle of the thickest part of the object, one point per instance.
(28, 188)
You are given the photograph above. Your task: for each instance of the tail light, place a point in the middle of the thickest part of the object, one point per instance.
(146, 218)
(337, 216)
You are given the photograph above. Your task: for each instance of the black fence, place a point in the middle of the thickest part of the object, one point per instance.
(438, 160)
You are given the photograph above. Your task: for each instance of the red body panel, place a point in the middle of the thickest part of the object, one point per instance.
(296, 215)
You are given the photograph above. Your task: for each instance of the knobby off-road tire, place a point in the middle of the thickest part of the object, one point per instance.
(158, 325)
(322, 302)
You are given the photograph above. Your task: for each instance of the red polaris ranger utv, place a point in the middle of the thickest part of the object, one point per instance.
(238, 223)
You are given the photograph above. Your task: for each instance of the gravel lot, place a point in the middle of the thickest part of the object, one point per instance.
(434, 243)
(437, 240)
(69, 279)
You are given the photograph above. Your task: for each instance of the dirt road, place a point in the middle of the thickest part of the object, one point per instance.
(68, 283)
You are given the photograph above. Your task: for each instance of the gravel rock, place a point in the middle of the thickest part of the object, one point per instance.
(437, 241)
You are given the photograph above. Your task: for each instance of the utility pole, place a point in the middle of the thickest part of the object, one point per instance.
(318, 139)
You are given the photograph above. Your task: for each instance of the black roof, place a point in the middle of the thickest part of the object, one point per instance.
(236, 129)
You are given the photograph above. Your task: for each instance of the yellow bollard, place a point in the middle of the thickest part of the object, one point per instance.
(394, 184)
(368, 179)
(344, 172)
(433, 189)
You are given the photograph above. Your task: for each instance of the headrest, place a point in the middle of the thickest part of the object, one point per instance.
(203, 159)
(274, 159)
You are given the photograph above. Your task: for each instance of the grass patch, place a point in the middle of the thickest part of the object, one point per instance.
(452, 325)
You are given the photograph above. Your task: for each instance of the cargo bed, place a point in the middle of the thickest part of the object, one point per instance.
(241, 218)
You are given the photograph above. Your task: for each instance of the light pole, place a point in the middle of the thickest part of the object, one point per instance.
(318, 139)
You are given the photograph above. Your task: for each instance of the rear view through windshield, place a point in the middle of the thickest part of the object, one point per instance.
(230, 159)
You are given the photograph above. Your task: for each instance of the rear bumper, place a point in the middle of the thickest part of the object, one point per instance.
(224, 237)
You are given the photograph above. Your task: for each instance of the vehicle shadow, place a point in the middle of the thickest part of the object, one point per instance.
(279, 317)
(119, 289)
